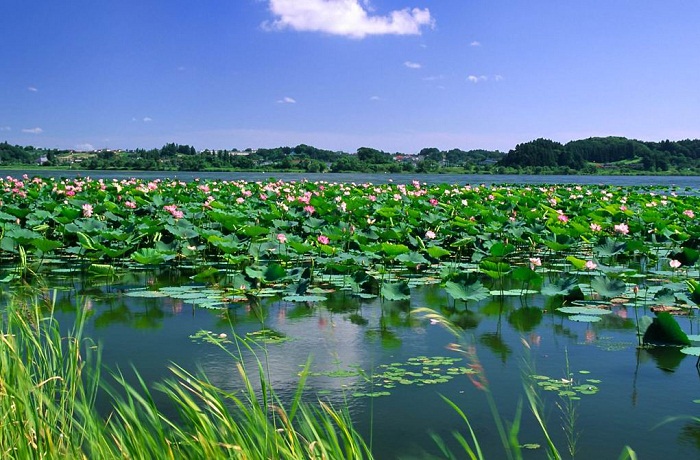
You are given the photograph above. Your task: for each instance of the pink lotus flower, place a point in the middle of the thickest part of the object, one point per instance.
(282, 238)
(595, 227)
(622, 228)
(87, 210)
(310, 209)
(323, 239)
(673, 263)
(130, 205)
(535, 262)
(689, 213)
(590, 265)
(430, 234)
(563, 217)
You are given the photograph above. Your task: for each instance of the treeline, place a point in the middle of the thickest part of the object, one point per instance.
(596, 155)
(590, 156)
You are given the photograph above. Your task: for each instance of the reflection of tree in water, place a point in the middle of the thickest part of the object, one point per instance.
(525, 319)
(149, 317)
(394, 314)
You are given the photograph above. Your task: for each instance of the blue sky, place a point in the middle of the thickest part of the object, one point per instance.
(397, 75)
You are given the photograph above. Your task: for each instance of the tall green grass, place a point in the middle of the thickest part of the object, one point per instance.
(49, 385)
(48, 389)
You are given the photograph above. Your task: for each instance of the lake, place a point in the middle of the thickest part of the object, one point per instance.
(390, 366)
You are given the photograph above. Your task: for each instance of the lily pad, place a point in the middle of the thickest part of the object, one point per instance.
(585, 318)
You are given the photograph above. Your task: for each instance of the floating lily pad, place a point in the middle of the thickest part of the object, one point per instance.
(585, 318)
(692, 351)
(268, 336)
(304, 298)
(145, 293)
(584, 311)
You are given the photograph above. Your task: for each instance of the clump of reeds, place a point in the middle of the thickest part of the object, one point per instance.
(49, 384)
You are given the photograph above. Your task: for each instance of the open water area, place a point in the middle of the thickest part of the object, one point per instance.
(682, 182)
(391, 367)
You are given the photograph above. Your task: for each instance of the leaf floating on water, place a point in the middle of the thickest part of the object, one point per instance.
(692, 351)
(144, 293)
(585, 318)
(584, 311)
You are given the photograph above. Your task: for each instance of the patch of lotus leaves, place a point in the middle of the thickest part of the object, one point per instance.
(203, 336)
(145, 293)
(567, 388)
(195, 295)
(266, 336)
(419, 371)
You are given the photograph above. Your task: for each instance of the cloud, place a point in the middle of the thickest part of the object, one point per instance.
(375, 98)
(475, 43)
(287, 100)
(412, 65)
(147, 119)
(482, 78)
(5, 128)
(32, 89)
(33, 130)
(346, 18)
(85, 147)
(434, 78)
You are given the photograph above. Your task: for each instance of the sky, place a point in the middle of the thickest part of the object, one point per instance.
(395, 75)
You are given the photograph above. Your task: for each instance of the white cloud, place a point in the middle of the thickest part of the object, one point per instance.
(32, 89)
(482, 78)
(347, 18)
(375, 98)
(5, 128)
(412, 65)
(434, 78)
(287, 100)
(85, 147)
(147, 119)
(475, 43)
(33, 130)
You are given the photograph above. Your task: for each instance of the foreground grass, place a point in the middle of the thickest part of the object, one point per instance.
(49, 385)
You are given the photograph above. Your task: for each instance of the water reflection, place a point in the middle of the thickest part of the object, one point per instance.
(347, 340)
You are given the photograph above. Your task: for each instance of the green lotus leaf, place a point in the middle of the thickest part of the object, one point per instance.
(583, 311)
(608, 287)
(474, 291)
(396, 291)
(437, 252)
(144, 293)
(693, 351)
(585, 318)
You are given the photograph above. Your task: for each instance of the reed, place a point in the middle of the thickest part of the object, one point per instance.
(49, 384)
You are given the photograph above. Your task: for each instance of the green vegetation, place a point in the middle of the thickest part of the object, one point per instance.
(589, 253)
(48, 390)
(597, 155)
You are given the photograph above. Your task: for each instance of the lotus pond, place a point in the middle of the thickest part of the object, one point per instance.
(399, 294)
